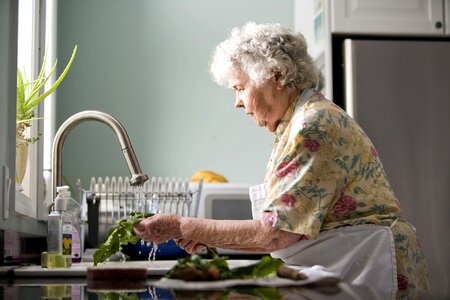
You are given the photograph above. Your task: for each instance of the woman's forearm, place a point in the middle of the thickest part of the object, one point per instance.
(247, 235)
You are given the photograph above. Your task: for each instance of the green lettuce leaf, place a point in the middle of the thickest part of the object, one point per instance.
(195, 268)
(121, 234)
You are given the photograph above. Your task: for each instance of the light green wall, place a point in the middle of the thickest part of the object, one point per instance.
(146, 63)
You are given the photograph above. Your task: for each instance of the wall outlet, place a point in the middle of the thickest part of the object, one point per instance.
(6, 190)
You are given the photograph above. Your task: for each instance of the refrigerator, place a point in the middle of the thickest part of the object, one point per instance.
(399, 92)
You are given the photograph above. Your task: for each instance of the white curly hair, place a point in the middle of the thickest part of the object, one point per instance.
(261, 51)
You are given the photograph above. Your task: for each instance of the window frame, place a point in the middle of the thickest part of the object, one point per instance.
(28, 61)
(37, 178)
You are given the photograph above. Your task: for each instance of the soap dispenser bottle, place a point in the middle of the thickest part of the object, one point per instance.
(59, 231)
(73, 209)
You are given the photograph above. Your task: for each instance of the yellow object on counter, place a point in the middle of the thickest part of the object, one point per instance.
(55, 261)
(208, 176)
(56, 292)
(44, 256)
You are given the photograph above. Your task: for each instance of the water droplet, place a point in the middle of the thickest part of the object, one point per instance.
(152, 292)
(152, 254)
(123, 257)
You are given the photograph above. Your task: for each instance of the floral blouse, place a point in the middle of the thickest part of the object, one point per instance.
(324, 173)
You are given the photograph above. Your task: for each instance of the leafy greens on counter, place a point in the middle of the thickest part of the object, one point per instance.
(195, 268)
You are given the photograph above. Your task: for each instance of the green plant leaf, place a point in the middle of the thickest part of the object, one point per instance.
(26, 103)
(195, 268)
(29, 120)
(260, 293)
(121, 234)
(21, 87)
(118, 296)
(266, 267)
(58, 81)
(38, 84)
(44, 63)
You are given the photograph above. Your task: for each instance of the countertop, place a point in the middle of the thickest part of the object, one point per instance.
(154, 268)
(35, 282)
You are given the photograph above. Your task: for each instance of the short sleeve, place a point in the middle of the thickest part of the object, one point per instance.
(303, 181)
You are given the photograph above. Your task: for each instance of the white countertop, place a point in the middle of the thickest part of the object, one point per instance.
(157, 267)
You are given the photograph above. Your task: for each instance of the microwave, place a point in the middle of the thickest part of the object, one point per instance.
(225, 201)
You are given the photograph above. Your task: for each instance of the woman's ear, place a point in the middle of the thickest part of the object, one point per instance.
(277, 77)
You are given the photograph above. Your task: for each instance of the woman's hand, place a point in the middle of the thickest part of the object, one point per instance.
(190, 246)
(159, 228)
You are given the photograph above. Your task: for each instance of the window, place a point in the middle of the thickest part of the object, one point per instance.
(28, 63)
(35, 35)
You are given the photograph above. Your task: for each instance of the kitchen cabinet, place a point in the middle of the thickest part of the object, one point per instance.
(391, 17)
(324, 21)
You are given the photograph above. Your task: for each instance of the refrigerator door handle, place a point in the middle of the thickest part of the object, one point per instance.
(349, 79)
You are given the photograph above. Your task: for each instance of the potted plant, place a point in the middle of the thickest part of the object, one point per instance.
(29, 94)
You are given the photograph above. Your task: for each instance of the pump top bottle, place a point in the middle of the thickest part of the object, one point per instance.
(59, 233)
(73, 210)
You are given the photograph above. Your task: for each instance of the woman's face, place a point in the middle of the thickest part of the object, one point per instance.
(265, 104)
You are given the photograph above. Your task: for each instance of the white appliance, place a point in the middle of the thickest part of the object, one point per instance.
(225, 201)
(398, 90)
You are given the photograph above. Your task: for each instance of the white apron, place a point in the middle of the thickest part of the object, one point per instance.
(360, 255)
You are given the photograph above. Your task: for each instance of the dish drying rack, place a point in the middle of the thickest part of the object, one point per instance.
(110, 199)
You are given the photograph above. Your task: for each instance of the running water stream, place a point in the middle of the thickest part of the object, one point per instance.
(140, 206)
(152, 254)
(139, 199)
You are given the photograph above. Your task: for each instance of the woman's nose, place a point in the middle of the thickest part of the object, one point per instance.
(238, 102)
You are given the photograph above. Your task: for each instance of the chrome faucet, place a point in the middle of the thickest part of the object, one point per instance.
(137, 178)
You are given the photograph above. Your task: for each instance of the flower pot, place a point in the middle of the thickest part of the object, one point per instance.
(21, 158)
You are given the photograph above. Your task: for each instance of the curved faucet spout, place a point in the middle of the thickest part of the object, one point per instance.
(137, 178)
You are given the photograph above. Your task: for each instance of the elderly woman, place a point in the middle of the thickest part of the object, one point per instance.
(328, 201)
